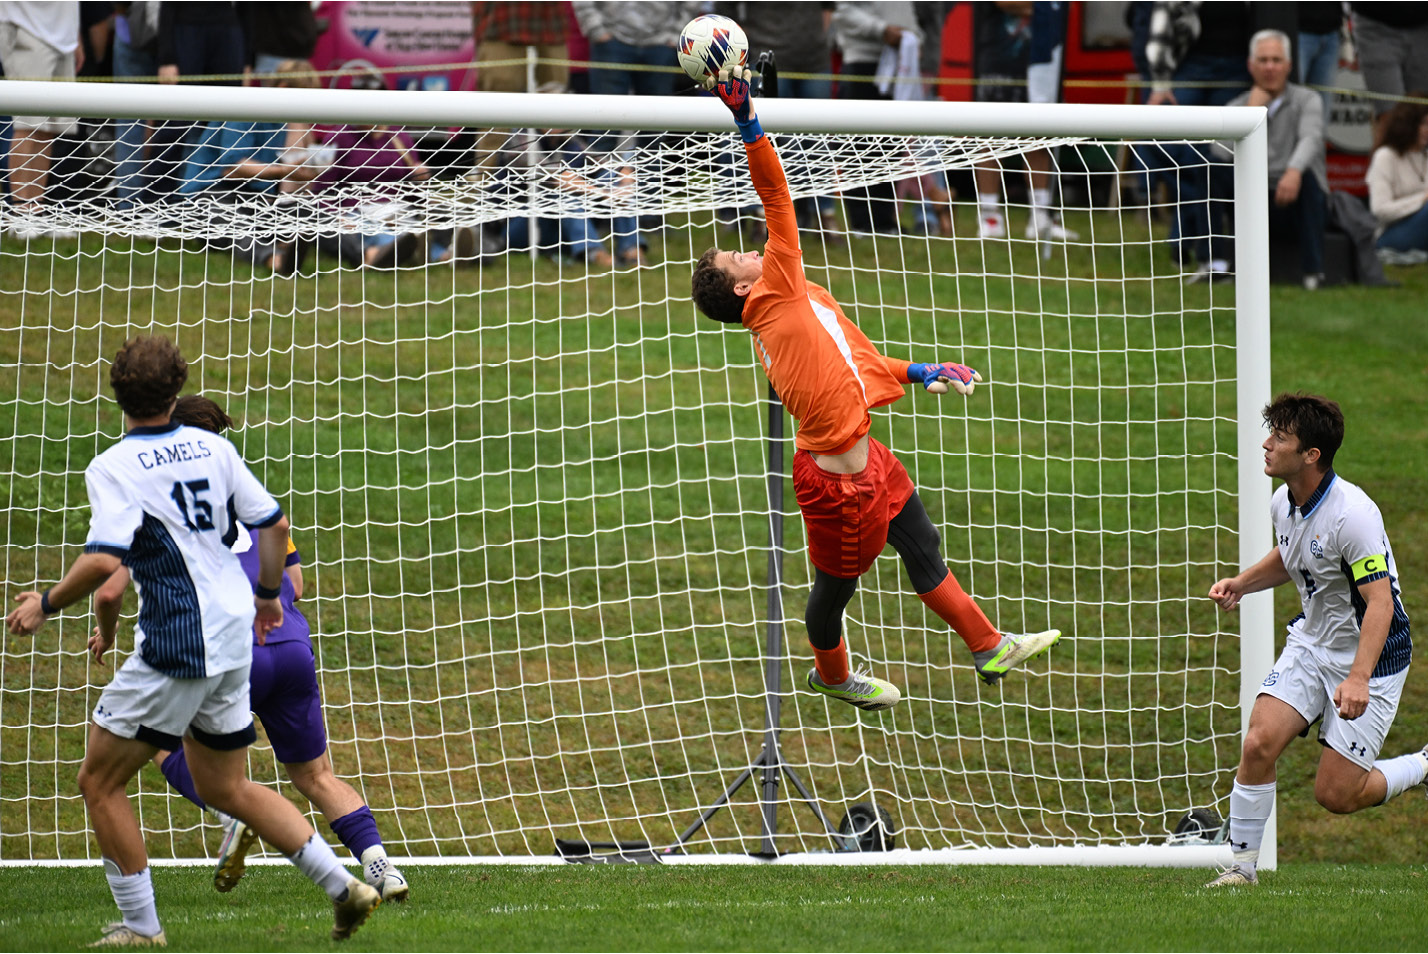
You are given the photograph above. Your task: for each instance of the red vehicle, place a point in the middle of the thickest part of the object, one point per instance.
(1096, 68)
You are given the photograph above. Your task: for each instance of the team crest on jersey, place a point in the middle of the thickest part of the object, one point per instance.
(1316, 549)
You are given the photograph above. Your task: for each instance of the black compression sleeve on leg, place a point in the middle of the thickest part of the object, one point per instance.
(916, 540)
(824, 615)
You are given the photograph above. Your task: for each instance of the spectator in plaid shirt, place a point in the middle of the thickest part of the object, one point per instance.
(502, 31)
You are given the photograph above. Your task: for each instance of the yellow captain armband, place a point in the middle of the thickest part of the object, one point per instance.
(1370, 566)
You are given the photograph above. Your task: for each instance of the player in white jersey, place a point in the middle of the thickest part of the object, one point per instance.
(166, 502)
(1346, 656)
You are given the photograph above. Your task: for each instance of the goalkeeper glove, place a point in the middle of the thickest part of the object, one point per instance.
(732, 87)
(936, 377)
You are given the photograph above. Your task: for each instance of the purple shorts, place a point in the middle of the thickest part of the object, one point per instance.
(284, 695)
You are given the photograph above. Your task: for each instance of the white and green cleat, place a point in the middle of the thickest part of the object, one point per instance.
(992, 664)
(860, 689)
(1236, 875)
(381, 874)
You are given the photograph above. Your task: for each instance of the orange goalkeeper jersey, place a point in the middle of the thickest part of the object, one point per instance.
(825, 370)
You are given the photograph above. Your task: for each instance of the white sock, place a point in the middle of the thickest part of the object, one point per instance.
(135, 896)
(990, 202)
(375, 864)
(316, 860)
(1219, 265)
(1250, 806)
(1403, 773)
(1041, 205)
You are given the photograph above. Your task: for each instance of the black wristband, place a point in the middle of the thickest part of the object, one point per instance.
(267, 592)
(45, 606)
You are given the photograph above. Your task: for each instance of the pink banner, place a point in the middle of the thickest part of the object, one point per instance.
(397, 39)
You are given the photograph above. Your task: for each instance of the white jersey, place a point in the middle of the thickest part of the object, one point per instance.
(167, 501)
(1331, 545)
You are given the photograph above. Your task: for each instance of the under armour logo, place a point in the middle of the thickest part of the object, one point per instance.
(1240, 845)
(1356, 749)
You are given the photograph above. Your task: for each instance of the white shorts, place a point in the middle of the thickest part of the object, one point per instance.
(1043, 80)
(26, 56)
(144, 704)
(1301, 680)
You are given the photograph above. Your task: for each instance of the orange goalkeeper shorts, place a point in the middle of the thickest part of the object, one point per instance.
(847, 515)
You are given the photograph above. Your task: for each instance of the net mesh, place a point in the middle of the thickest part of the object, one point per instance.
(529, 489)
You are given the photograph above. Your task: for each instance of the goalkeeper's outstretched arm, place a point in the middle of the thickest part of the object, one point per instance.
(765, 170)
(936, 378)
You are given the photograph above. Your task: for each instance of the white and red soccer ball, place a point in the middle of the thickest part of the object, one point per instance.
(712, 43)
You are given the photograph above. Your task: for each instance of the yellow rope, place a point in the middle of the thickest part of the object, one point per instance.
(1128, 83)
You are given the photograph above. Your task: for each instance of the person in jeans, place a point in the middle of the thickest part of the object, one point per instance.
(1398, 186)
(136, 34)
(1195, 53)
(1319, 27)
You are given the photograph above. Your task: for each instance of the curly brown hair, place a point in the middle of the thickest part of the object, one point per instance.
(147, 375)
(1400, 131)
(712, 289)
(1316, 421)
(195, 410)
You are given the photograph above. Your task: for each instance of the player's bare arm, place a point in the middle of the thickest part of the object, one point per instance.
(1352, 695)
(108, 600)
(1267, 573)
(84, 577)
(272, 552)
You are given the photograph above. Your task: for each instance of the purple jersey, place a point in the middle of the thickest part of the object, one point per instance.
(294, 627)
(366, 156)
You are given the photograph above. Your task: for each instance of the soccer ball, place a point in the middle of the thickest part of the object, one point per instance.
(712, 43)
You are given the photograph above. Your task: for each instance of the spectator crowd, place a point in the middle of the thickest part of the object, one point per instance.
(1284, 57)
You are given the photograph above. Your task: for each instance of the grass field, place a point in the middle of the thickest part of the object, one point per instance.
(629, 908)
(524, 477)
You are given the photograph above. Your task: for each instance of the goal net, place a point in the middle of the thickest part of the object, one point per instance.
(531, 487)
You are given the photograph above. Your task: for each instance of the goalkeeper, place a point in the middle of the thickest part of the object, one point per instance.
(855, 496)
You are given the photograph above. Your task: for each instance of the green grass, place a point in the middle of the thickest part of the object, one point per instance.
(629, 908)
(531, 501)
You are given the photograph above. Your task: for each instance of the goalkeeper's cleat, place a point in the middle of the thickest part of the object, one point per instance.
(238, 840)
(383, 875)
(1013, 650)
(119, 934)
(1048, 229)
(351, 910)
(860, 689)
(1236, 875)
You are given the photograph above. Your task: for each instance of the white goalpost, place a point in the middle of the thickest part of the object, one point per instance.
(556, 571)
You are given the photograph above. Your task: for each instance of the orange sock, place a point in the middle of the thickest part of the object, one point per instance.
(963, 615)
(832, 664)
